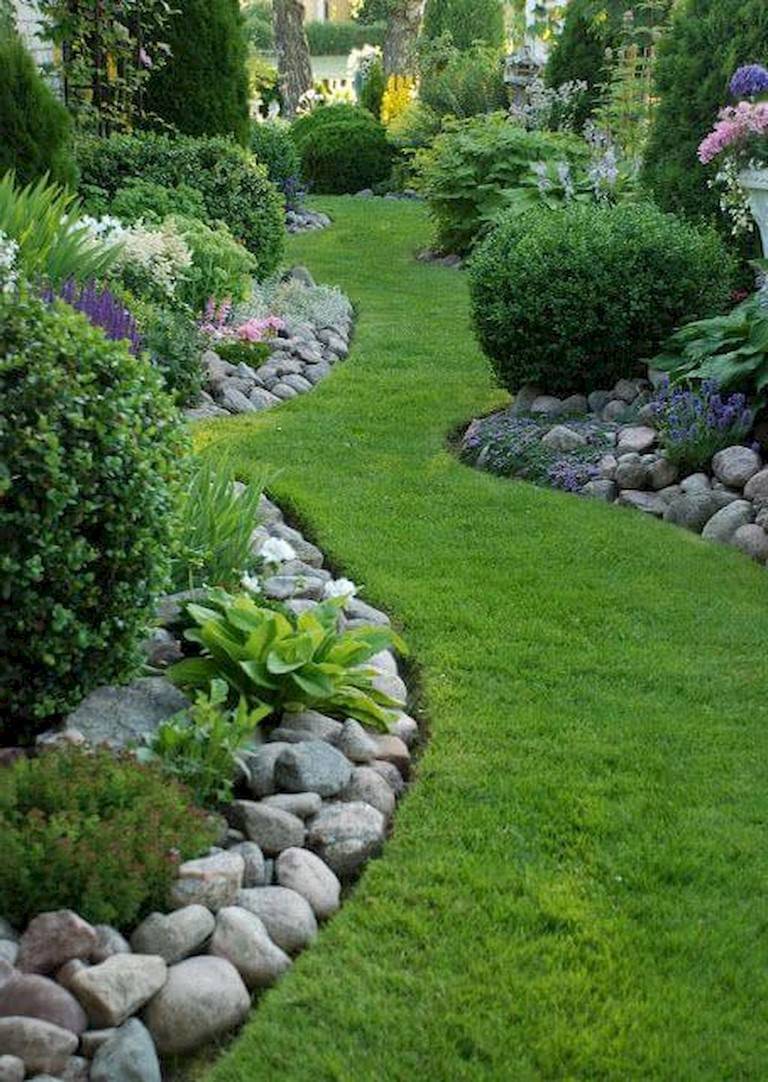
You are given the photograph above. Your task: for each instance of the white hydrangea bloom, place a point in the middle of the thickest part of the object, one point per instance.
(339, 588)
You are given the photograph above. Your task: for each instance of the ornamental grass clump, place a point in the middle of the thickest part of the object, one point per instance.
(93, 832)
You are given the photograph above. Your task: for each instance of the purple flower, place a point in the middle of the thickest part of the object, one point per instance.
(749, 81)
(145, 59)
(103, 309)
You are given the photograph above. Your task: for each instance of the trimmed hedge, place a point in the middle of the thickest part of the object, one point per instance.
(89, 458)
(467, 21)
(340, 38)
(343, 149)
(234, 187)
(574, 299)
(273, 147)
(35, 129)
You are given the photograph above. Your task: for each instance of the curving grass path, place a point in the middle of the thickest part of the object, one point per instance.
(576, 888)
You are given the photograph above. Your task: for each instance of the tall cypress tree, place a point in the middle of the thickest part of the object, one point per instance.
(707, 41)
(467, 21)
(203, 89)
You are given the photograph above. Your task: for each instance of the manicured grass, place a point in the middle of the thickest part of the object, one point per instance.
(576, 887)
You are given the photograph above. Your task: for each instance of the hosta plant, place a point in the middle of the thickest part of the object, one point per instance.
(286, 661)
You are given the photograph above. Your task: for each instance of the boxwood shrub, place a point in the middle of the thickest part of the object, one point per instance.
(573, 299)
(93, 832)
(234, 187)
(89, 451)
(274, 148)
(343, 148)
(470, 166)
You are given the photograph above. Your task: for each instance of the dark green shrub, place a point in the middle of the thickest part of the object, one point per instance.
(343, 149)
(471, 166)
(467, 21)
(258, 27)
(273, 147)
(175, 347)
(203, 88)
(234, 187)
(469, 84)
(144, 200)
(372, 90)
(707, 41)
(340, 38)
(35, 130)
(574, 299)
(93, 832)
(89, 448)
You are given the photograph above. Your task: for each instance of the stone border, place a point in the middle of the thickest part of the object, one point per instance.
(728, 503)
(303, 220)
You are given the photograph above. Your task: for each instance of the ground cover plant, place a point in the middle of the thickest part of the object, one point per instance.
(575, 885)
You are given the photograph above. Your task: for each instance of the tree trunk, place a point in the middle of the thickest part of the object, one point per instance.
(403, 26)
(293, 62)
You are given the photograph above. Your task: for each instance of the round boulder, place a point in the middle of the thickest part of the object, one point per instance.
(313, 766)
(734, 466)
(309, 876)
(347, 835)
(242, 939)
(286, 915)
(203, 999)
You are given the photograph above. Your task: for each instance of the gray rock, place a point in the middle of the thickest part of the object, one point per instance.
(315, 767)
(734, 466)
(322, 727)
(694, 509)
(661, 474)
(547, 405)
(636, 439)
(305, 551)
(261, 768)
(271, 828)
(235, 400)
(406, 728)
(670, 493)
(108, 942)
(284, 391)
(304, 805)
(262, 399)
(651, 503)
(41, 1045)
(607, 467)
(615, 410)
(724, 523)
(757, 486)
(92, 1040)
(752, 540)
(304, 872)
(384, 661)
(562, 438)
(367, 785)
(33, 996)
(290, 736)
(211, 881)
(120, 715)
(9, 951)
(287, 916)
(392, 748)
(696, 482)
(300, 274)
(576, 404)
(359, 610)
(627, 390)
(253, 859)
(347, 835)
(51, 939)
(355, 742)
(114, 990)
(524, 399)
(299, 383)
(77, 1069)
(601, 490)
(598, 400)
(317, 372)
(631, 472)
(127, 1056)
(390, 774)
(176, 935)
(7, 931)
(761, 518)
(242, 939)
(203, 999)
(11, 1069)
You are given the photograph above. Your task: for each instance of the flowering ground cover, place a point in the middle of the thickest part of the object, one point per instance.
(576, 885)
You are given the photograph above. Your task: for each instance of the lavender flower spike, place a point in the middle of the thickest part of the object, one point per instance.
(749, 81)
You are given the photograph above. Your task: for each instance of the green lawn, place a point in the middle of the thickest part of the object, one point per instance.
(576, 887)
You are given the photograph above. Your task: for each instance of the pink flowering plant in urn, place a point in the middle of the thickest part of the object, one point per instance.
(739, 142)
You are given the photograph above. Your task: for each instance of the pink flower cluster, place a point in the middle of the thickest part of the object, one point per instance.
(217, 324)
(735, 127)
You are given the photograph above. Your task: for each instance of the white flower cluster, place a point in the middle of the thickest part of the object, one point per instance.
(548, 108)
(157, 255)
(733, 199)
(9, 249)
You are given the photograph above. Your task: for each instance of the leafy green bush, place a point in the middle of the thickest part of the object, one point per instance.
(466, 21)
(175, 346)
(202, 89)
(221, 268)
(234, 187)
(89, 831)
(258, 27)
(216, 521)
(53, 245)
(707, 41)
(89, 448)
(35, 126)
(373, 88)
(201, 747)
(285, 661)
(331, 38)
(573, 299)
(143, 200)
(469, 84)
(273, 147)
(343, 149)
(473, 165)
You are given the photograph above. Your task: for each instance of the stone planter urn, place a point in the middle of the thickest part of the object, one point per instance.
(755, 184)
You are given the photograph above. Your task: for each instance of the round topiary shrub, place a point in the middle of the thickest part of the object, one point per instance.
(273, 147)
(234, 187)
(89, 459)
(343, 149)
(574, 299)
(96, 833)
